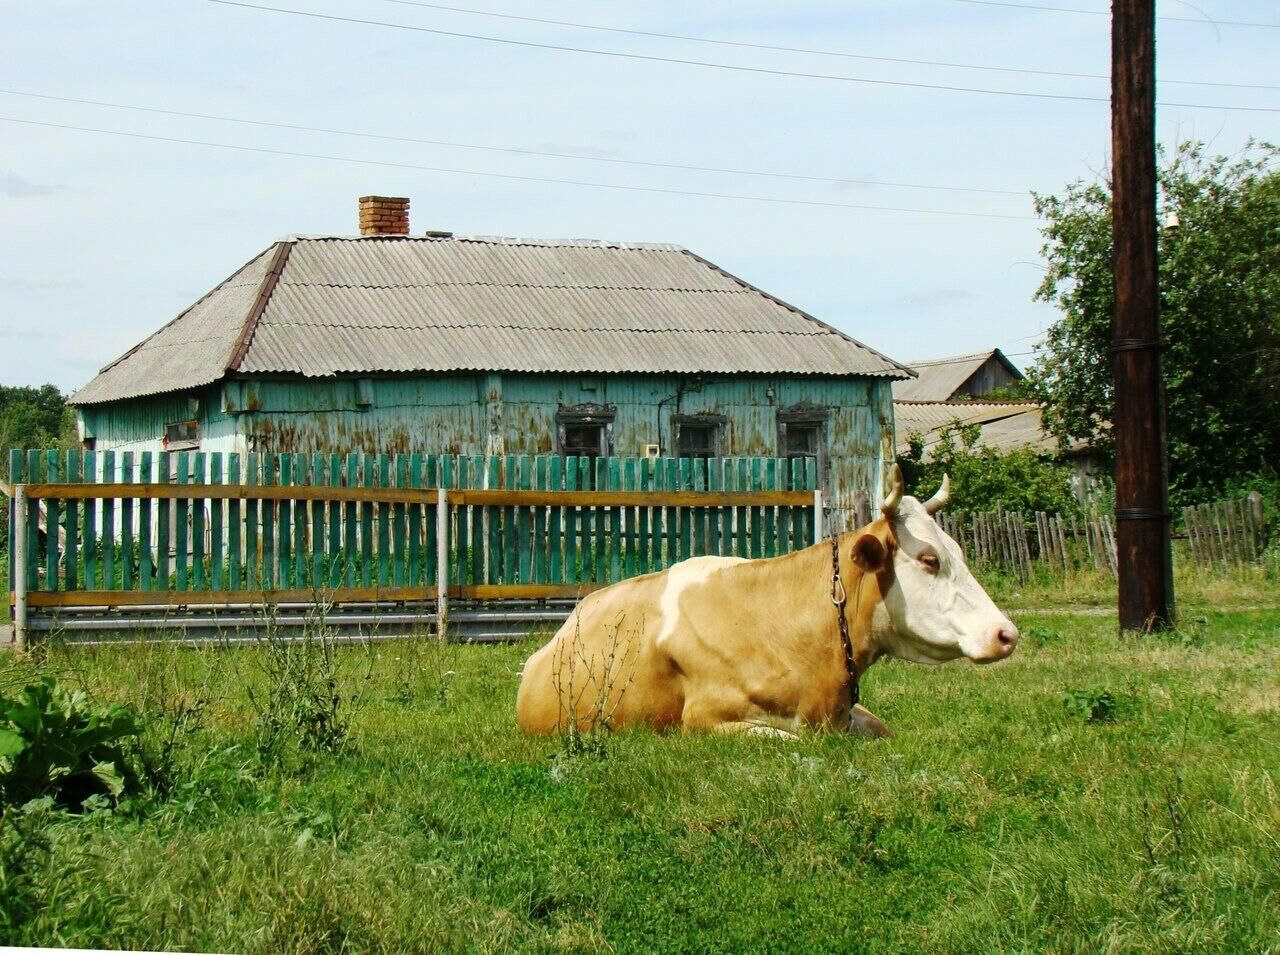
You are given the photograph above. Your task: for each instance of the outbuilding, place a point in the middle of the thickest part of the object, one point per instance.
(392, 343)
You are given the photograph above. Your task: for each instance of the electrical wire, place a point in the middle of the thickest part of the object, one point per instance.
(510, 149)
(1201, 21)
(806, 50)
(529, 44)
(519, 178)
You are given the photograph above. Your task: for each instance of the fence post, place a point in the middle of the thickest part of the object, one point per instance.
(442, 563)
(20, 566)
(1257, 529)
(817, 515)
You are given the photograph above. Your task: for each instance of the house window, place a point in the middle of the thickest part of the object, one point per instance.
(584, 440)
(802, 433)
(802, 440)
(698, 436)
(585, 431)
(182, 435)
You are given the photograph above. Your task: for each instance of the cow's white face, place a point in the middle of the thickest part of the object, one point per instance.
(936, 610)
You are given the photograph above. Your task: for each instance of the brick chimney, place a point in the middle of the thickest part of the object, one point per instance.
(384, 215)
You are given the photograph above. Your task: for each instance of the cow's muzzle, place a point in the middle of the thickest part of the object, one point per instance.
(1003, 640)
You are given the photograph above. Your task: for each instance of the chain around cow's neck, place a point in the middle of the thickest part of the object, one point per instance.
(839, 597)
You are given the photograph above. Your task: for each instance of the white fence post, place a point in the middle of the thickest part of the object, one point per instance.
(442, 563)
(20, 566)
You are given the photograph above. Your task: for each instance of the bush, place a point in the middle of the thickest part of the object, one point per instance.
(56, 742)
(983, 479)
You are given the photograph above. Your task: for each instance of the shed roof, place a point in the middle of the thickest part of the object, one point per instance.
(938, 379)
(1006, 425)
(322, 306)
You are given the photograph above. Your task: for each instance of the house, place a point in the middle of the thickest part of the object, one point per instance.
(1005, 425)
(386, 342)
(951, 390)
(958, 377)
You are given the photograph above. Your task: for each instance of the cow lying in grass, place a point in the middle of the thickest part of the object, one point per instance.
(730, 644)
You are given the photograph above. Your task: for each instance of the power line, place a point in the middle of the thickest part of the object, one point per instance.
(511, 149)
(1202, 21)
(805, 50)
(715, 66)
(518, 178)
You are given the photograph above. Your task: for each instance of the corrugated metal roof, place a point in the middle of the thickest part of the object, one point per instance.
(938, 379)
(1006, 425)
(433, 304)
(191, 351)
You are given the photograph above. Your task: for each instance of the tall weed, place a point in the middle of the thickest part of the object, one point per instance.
(300, 697)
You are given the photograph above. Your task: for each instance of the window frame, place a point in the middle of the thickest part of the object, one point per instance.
(816, 417)
(187, 443)
(715, 423)
(594, 415)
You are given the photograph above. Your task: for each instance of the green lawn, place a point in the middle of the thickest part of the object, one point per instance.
(995, 820)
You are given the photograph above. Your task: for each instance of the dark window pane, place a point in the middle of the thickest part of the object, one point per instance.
(801, 440)
(583, 440)
(182, 433)
(697, 441)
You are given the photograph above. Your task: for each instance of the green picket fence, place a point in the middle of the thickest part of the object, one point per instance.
(201, 528)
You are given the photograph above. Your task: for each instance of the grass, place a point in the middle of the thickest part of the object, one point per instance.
(997, 819)
(1196, 590)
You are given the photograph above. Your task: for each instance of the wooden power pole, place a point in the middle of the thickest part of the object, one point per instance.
(1143, 553)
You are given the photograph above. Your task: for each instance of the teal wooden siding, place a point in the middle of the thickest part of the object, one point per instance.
(139, 423)
(490, 413)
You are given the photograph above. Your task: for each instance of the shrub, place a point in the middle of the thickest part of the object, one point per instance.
(983, 479)
(58, 743)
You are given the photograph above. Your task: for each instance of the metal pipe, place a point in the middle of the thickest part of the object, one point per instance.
(20, 566)
(442, 563)
(817, 515)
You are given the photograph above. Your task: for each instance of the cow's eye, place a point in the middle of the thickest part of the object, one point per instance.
(931, 562)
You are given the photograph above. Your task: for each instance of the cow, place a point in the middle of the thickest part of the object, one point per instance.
(767, 646)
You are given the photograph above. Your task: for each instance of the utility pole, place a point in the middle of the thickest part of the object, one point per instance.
(1144, 558)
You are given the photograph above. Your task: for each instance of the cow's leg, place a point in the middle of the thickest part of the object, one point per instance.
(761, 727)
(732, 713)
(865, 723)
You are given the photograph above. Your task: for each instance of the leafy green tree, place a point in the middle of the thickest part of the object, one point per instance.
(1220, 309)
(983, 479)
(33, 418)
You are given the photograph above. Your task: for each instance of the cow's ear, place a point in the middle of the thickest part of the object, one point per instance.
(869, 554)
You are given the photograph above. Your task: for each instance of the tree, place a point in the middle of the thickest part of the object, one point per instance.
(33, 418)
(1220, 313)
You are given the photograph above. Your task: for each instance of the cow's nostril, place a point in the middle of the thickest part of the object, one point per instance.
(1008, 637)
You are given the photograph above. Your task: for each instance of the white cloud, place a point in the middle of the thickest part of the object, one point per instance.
(19, 187)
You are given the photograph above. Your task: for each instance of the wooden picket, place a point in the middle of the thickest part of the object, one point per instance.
(1227, 533)
(198, 529)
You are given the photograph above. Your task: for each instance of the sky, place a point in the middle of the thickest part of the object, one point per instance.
(104, 238)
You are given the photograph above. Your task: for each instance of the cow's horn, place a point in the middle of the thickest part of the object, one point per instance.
(939, 500)
(894, 497)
